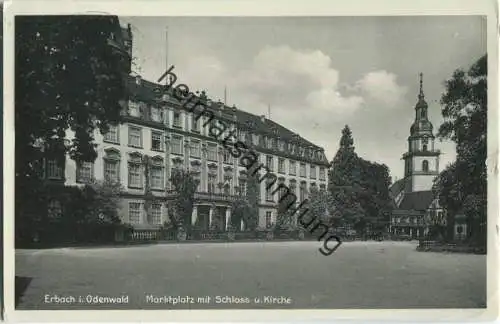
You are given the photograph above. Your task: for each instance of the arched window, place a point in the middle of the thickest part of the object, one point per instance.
(425, 166)
(424, 147)
(423, 113)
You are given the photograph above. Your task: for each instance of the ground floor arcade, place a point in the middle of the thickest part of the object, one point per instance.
(211, 216)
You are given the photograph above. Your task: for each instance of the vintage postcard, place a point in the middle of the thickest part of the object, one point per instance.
(214, 160)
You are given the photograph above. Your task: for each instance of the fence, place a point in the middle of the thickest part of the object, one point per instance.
(435, 246)
(145, 235)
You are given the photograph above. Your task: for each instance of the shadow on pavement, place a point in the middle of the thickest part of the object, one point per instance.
(21, 284)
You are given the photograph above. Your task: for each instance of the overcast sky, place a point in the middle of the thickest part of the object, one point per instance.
(319, 74)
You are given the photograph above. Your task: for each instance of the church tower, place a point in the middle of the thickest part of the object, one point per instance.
(421, 159)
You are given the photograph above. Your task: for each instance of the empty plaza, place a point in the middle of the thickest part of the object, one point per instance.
(249, 275)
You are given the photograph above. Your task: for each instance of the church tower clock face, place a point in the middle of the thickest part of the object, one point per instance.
(421, 159)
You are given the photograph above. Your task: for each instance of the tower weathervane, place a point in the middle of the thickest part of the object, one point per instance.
(421, 94)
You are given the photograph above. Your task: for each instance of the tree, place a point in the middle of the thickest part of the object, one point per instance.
(344, 162)
(182, 207)
(253, 195)
(463, 185)
(448, 189)
(344, 182)
(374, 196)
(359, 189)
(318, 204)
(68, 77)
(286, 210)
(240, 211)
(341, 178)
(102, 201)
(148, 193)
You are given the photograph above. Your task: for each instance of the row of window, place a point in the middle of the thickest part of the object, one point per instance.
(135, 211)
(302, 194)
(85, 173)
(406, 220)
(292, 168)
(135, 137)
(135, 140)
(270, 142)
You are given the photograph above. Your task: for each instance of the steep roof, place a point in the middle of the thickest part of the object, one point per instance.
(397, 187)
(419, 200)
(145, 92)
(270, 127)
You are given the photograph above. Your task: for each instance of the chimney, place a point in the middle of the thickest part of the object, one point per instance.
(263, 118)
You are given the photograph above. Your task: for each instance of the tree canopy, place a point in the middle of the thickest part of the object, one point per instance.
(182, 207)
(462, 186)
(359, 188)
(253, 196)
(67, 77)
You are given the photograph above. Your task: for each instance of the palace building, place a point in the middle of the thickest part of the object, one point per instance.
(159, 134)
(170, 136)
(415, 204)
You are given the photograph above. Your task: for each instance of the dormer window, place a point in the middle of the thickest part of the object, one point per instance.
(255, 139)
(133, 109)
(195, 124)
(281, 145)
(269, 142)
(242, 136)
(155, 114)
(177, 119)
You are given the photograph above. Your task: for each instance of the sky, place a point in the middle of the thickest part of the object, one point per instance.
(318, 74)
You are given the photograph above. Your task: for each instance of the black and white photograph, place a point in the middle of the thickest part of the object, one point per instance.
(204, 162)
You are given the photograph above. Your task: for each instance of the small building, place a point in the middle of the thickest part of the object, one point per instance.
(415, 213)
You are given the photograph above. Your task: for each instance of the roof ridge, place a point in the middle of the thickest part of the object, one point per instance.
(151, 85)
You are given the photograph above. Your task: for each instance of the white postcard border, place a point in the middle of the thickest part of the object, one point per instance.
(254, 8)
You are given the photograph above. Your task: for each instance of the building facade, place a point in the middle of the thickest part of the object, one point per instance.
(160, 135)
